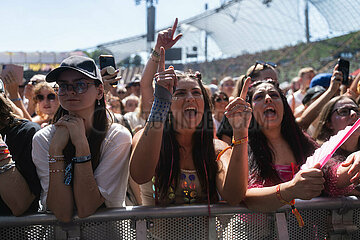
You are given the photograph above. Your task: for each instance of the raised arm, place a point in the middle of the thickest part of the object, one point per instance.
(166, 40)
(353, 91)
(310, 114)
(12, 86)
(233, 184)
(146, 153)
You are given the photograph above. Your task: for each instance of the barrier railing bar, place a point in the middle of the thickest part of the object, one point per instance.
(212, 228)
(141, 230)
(141, 212)
(281, 226)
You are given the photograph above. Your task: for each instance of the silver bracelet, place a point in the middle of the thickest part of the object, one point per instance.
(7, 167)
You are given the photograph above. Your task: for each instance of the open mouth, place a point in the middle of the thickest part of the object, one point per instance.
(270, 112)
(190, 112)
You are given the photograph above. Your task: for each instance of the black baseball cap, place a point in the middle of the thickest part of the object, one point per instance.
(81, 64)
(313, 93)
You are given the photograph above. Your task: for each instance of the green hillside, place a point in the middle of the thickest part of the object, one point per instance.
(320, 55)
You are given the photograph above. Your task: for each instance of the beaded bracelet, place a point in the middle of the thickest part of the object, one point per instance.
(8, 156)
(233, 143)
(54, 159)
(156, 61)
(292, 204)
(155, 53)
(3, 145)
(56, 171)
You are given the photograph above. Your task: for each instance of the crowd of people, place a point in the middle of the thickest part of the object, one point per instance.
(72, 142)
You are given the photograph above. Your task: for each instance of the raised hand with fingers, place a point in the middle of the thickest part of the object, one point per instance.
(238, 111)
(165, 77)
(165, 81)
(109, 78)
(166, 38)
(336, 79)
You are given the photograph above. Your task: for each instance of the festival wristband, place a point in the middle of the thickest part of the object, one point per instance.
(15, 99)
(5, 151)
(292, 205)
(81, 159)
(161, 104)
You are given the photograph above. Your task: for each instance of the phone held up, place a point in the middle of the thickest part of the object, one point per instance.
(17, 72)
(108, 62)
(344, 66)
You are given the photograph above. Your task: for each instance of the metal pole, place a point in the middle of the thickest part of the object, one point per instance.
(307, 30)
(206, 39)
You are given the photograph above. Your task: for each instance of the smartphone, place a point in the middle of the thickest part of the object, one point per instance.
(344, 66)
(107, 60)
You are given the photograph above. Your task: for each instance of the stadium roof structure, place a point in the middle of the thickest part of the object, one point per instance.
(248, 26)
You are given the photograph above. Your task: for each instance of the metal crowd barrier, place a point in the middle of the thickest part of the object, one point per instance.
(325, 218)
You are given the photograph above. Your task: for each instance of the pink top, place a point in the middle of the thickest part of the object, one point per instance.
(330, 175)
(285, 172)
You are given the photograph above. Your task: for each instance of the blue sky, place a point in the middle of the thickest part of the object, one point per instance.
(66, 25)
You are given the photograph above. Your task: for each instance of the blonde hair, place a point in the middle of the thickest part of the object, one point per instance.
(37, 90)
(305, 70)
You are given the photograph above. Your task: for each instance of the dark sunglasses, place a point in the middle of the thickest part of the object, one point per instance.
(50, 97)
(266, 64)
(345, 111)
(224, 99)
(79, 87)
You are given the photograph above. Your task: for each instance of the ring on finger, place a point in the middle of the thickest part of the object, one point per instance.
(247, 108)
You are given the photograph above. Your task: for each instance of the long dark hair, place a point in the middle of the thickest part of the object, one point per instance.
(7, 117)
(97, 134)
(260, 154)
(203, 152)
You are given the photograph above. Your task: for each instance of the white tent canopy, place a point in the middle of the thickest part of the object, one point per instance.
(247, 26)
(235, 28)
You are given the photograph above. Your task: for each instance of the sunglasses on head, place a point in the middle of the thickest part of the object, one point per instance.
(50, 97)
(345, 111)
(266, 64)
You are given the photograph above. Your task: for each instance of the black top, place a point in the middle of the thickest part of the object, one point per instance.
(225, 128)
(19, 140)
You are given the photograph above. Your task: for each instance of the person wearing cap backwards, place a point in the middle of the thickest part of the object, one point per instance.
(76, 166)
